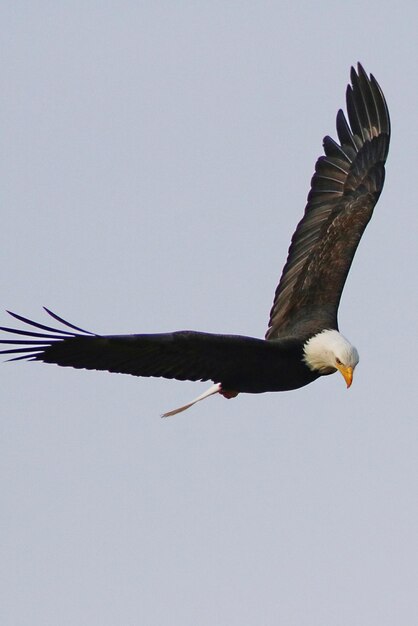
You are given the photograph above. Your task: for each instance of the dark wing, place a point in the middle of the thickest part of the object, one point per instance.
(344, 190)
(184, 355)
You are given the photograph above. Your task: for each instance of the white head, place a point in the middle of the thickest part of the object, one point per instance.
(329, 351)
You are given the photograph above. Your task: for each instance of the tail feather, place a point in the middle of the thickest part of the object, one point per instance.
(209, 392)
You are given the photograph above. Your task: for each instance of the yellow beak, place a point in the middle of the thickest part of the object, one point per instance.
(347, 372)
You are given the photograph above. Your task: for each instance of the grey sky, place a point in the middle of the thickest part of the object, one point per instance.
(156, 158)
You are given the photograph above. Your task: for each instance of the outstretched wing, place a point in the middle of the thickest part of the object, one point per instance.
(344, 190)
(184, 355)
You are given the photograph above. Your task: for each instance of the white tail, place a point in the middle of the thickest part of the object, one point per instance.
(209, 392)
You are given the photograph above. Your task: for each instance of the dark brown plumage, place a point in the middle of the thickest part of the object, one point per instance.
(346, 185)
(302, 341)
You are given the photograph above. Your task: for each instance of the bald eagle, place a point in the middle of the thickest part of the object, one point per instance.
(302, 341)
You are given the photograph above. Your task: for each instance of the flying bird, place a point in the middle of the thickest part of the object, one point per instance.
(302, 341)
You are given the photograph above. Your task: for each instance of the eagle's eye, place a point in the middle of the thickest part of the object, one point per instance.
(337, 360)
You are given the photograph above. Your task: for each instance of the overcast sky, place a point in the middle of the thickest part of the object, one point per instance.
(156, 157)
